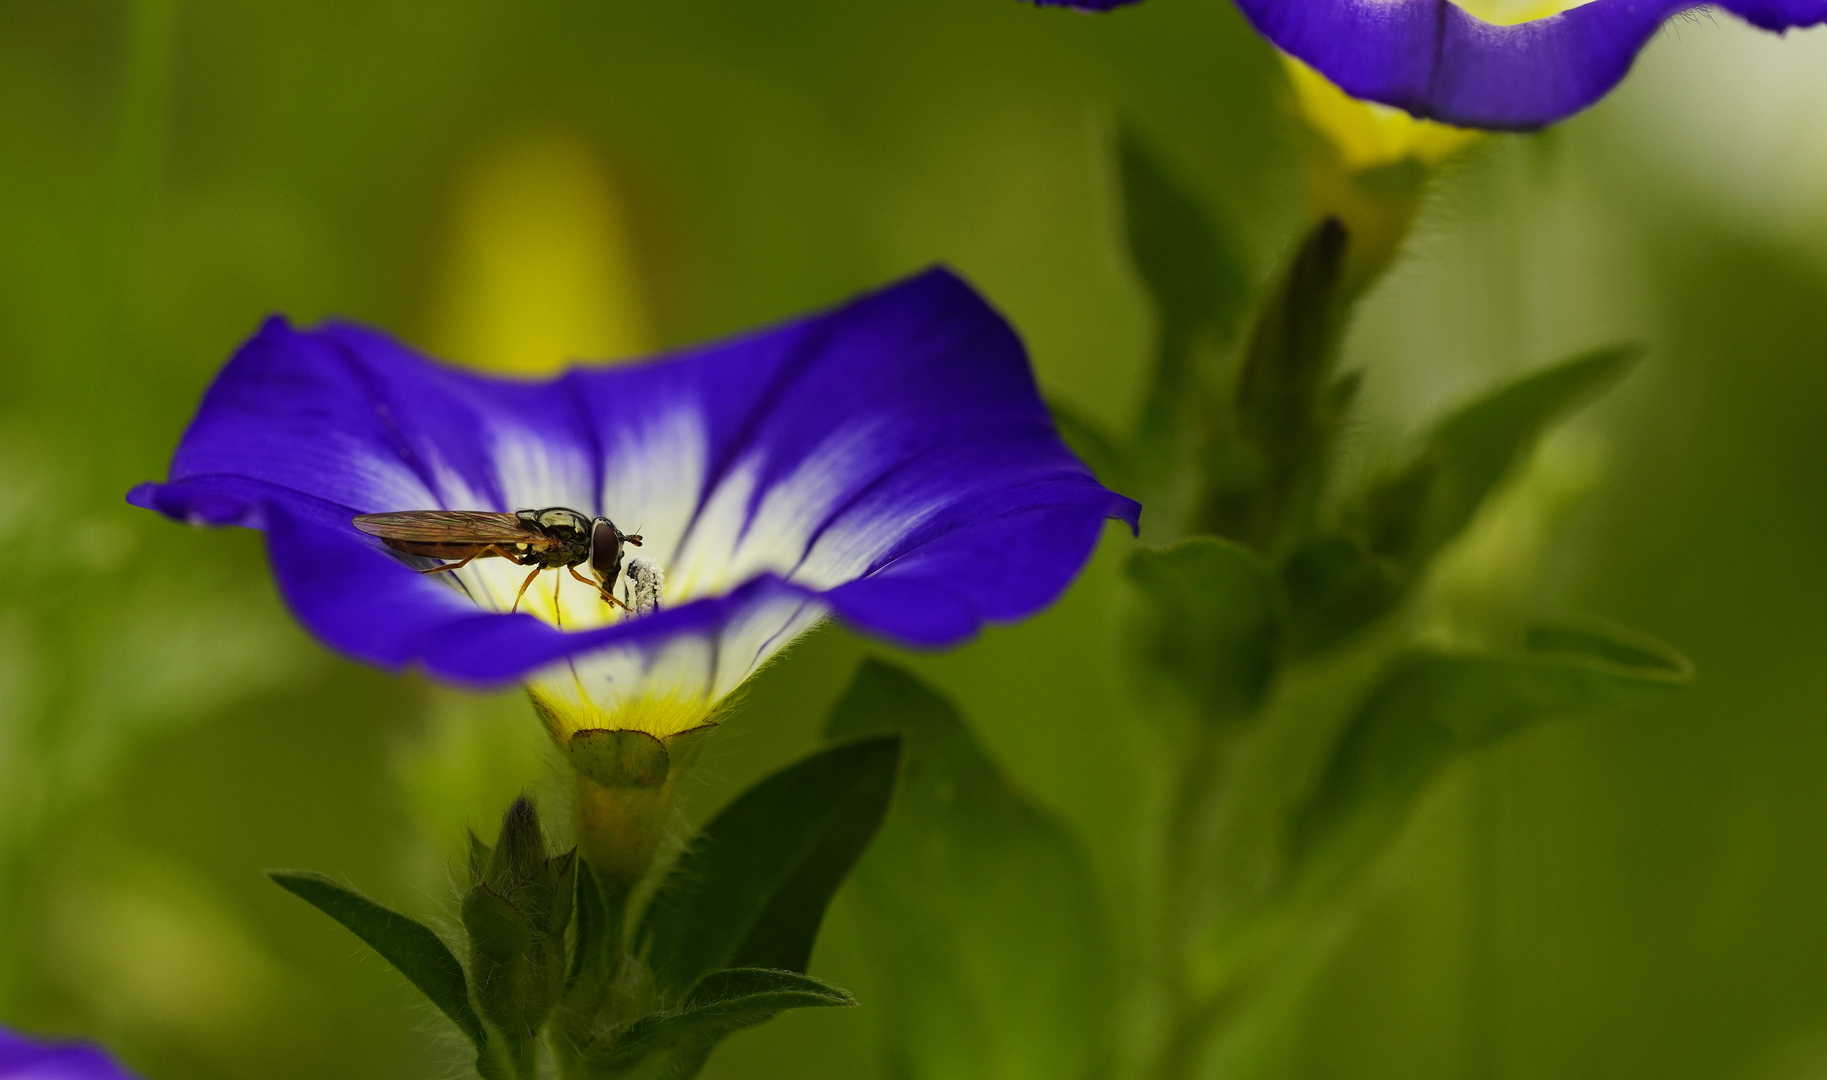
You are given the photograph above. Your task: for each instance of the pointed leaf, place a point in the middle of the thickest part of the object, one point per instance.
(1416, 512)
(410, 946)
(752, 889)
(1338, 584)
(1432, 707)
(1288, 406)
(1211, 624)
(721, 1004)
(979, 907)
(1198, 287)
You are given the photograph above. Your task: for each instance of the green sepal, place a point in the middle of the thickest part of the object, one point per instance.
(619, 759)
(1212, 623)
(752, 889)
(409, 945)
(520, 848)
(979, 906)
(674, 1045)
(1287, 406)
(502, 962)
(1432, 707)
(480, 855)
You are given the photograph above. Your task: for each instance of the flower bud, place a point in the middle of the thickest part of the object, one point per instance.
(516, 911)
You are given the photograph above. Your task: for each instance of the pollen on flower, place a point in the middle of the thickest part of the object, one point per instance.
(646, 584)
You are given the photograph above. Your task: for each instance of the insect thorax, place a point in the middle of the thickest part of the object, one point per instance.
(570, 528)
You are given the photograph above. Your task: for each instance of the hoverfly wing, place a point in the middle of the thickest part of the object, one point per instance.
(477, 527)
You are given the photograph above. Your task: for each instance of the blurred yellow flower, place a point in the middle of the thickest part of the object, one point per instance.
(542, 267)
(1365, 134)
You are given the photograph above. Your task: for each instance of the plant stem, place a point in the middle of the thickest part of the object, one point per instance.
(1183, 875)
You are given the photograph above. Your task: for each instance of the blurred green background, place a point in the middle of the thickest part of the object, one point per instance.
(508, 183)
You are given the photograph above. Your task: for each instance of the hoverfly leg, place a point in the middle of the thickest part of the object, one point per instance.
(489, 550)
(608, 598)
(558, 612)
(523, 589)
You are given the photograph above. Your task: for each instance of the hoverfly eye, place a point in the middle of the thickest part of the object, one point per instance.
(605, 551)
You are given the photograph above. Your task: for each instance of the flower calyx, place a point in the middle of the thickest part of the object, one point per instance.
(624, 786)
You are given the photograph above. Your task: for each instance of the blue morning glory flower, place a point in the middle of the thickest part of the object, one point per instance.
(1438, 61)
(28, 1059)
(889, 462)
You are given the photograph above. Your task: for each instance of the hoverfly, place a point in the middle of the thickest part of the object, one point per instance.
(550, 539)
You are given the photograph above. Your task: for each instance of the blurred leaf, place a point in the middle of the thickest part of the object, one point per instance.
(410, 946)
(1433, 707)
(978, 905)
(1196, 282)
(1599, 639)
(1194, 278)
(1212, 624)
(1413, 514)
(1287, 406)
(675, 1045)
(1334, 586)
(753, 888)
(1337, 584)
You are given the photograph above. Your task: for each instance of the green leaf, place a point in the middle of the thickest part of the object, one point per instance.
(1337, 584)
(1334, 586)
(753, 888)
(1287, 405)
(595, 961)
(510, 988)
(1211, 624)
(1432, 707)
(1198, 286)
(1193, 276)
(674, 1045)
(979, 906)
(1413, 514)
(407, 944)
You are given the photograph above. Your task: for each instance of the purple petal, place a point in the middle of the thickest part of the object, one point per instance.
(890, 460)
(28, 1059)
(1435, 60)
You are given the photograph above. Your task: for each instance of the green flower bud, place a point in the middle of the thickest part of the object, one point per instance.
(516, 912)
